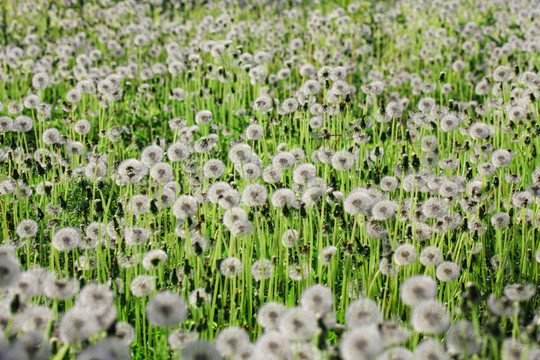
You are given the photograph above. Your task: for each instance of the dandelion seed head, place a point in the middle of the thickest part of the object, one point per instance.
(405, 254)
(417, 288)
(200, 350)
(519, 292)
(272, 345)
(153, 259)
(430, 349)
(27, 228)
(318, 299)
(363, 312)
(66, 239)
(77, 325)
(231, 267)
(360, 343)
(166, 309)
(262, 269)
(431, 256)
(179, 338)
(297, 324)
(429, 317)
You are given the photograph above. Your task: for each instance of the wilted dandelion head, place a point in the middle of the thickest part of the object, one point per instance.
(429, 317)
(166, 309)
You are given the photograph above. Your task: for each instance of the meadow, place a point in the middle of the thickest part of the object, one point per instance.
(269, 180)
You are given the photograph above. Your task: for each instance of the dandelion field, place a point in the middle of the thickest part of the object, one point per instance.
(269, 179)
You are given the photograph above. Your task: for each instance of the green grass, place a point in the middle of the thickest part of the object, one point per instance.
(405, 42)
